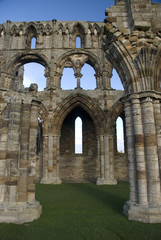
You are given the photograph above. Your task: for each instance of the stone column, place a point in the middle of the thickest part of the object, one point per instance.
(78, 75)
(139, 152)
(48, 80)
(3, 155)
(107, 79)
(24, 152)
(98, 77)
(50, 157)
(50, 160)
(16, 207)
(44, 179)
(131, 152)
(57, 80)
(145, 196)
(56, 153)
(150, 138)
(106, 173)
(157, 115)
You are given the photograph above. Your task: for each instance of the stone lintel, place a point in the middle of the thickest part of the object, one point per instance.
(19, 213)
(142, 213)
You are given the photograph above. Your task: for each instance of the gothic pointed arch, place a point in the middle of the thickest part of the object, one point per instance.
(95, 26)
(86, 103)
(83, 57)
(119, 55)
(31, 32)
(79, 31)
(14, 30)
(61, 27)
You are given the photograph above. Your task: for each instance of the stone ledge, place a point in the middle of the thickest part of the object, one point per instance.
(103, 181)
(19, 213)
(51, 181)
(142, 213)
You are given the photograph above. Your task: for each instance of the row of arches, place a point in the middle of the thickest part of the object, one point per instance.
(22, 36)
(69, 68)
(75, 132)
(34, 73)
(39, 28)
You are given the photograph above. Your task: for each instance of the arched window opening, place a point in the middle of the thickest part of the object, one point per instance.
(34, 73)
(68, 80)
(88, 80)
(78, 136)
(115, 81)
(120, 135)
(33, 43)
(78, 42)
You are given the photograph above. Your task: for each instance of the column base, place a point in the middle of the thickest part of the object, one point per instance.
(19, 213)
(51, 181)
(142, 213)
(103, 181)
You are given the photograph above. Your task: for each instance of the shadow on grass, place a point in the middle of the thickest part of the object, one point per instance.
(107, 195)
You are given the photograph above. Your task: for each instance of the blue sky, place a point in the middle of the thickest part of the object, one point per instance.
(38, 10)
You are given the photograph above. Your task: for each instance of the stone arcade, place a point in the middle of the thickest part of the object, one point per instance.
(37, 127)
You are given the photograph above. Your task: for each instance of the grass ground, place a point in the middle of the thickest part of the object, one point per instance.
(81, 212)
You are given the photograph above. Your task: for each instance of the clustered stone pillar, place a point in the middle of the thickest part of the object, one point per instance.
(105, 159)
(50, 160)
(18, 203)
(141, 114)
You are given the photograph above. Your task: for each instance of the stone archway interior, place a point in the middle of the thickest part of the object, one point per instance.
(78, 167)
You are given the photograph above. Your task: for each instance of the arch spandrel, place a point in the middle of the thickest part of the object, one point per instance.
(87, 104)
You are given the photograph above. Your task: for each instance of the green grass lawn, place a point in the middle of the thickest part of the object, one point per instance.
(81, 212)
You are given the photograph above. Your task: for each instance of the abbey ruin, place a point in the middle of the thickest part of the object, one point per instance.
(37, 128)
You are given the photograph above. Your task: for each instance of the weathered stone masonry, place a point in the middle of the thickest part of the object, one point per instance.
(37, 127)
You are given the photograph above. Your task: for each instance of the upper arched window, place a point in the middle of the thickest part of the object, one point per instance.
(79, 34)
(33, 43)
(78, 42)
(31, 34)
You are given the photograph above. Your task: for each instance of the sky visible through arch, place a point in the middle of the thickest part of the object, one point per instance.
(61, 10)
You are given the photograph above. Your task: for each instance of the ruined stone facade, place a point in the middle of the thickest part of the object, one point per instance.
(37, 127)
